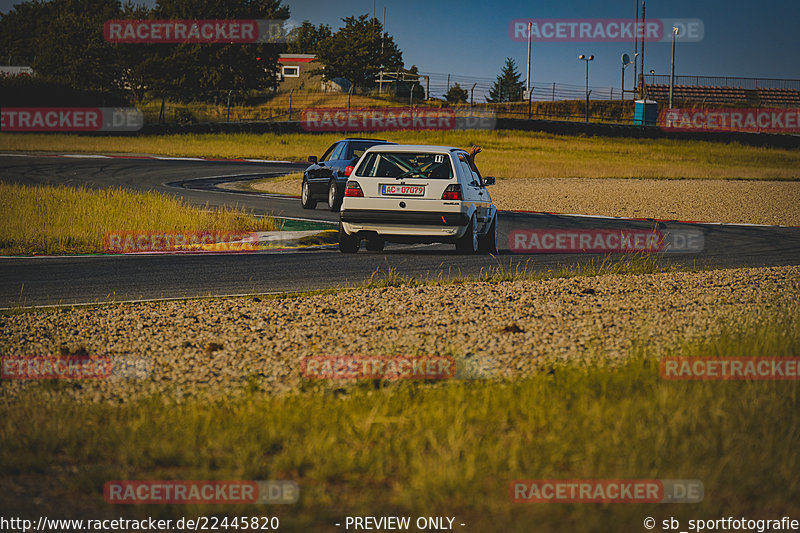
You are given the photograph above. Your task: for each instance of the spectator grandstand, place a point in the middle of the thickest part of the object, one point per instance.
(752, 92)
(780, 97)
(698, 93)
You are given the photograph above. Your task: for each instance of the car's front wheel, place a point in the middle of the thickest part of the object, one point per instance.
(487, 244)
(305, 197)
(468, 243)
(348, 244)
(334, 202)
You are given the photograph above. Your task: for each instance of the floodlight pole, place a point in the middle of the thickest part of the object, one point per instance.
(587, 59)
(644, 31)
(530, 97)
(528, 75)
(672, 66)
(636, 51)
(587, 91)
(349, 94)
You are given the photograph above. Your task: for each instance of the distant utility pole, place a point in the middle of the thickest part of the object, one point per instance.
(636, 52)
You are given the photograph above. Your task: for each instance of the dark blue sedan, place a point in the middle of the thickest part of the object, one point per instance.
(325, 178)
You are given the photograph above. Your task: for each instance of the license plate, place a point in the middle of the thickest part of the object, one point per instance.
(402, 190)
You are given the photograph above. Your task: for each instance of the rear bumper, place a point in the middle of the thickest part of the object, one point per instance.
(405, 226)
(404, 218)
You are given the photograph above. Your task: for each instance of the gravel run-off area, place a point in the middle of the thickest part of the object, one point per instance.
(219, 347)
(735, 201)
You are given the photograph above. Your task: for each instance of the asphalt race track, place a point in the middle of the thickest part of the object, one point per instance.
(38, 281)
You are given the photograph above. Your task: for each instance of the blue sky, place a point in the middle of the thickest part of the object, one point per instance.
(470, 37)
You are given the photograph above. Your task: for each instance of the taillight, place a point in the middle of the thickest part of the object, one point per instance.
(353, 190)
(452, 192)
(348, 170)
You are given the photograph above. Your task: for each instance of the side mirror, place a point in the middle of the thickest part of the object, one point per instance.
(489, 180)
(312, 159)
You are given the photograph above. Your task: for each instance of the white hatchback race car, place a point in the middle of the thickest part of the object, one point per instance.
(417, 194)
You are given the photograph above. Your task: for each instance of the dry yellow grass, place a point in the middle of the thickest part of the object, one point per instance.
(66, 220)
(506, 154)
(277, 107)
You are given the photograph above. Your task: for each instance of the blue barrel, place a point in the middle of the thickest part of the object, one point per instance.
(645, 112)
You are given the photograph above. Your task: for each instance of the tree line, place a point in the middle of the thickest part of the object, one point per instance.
(63, 41)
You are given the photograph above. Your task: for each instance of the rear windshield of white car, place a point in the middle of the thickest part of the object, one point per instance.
(357, 148)
(405, 165)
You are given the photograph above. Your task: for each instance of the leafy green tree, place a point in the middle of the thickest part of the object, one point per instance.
(354, 52)
(456, 94)
(141, 66)
(73, 48)
(306, 38)
(507, 87)
(62, 40)
(198, 71)
(19, 29)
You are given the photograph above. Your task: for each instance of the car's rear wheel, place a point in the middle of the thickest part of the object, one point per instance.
(348, 244)
(305, 197)
(375, 244)
(334, 202)
(468, 243)
(487, 244)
